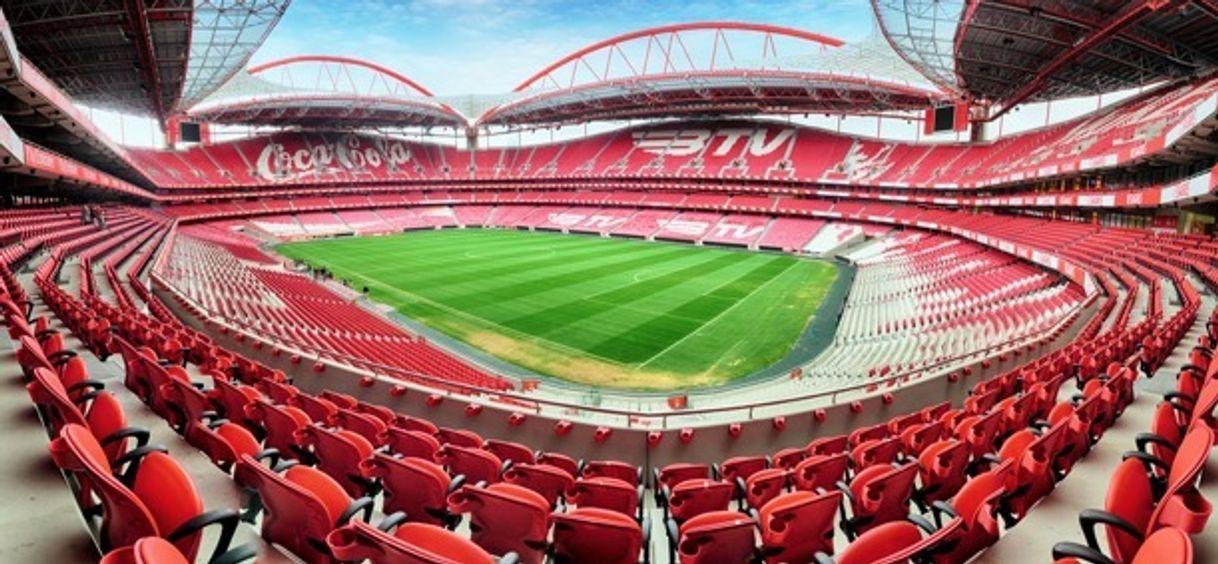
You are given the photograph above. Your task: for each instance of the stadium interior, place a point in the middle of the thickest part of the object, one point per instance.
(335, 317)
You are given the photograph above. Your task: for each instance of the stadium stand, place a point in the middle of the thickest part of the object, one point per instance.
(1017, 314)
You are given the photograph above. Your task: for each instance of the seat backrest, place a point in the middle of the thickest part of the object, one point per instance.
(367, 425)
(896, 542)
(821, 471)
(875, 451)
(125, 518)
(559, 460)
(459, 437)
(475, 464)
(1166, 546)
(673, 474)
(788, 458)
(612, 469)
(596, 536)
(510, 451)
(742, 467)
(882, 493)
(717, 536)
(233, 398)
(828, 445)
(46, 390)
(411, 443)
(414, 486)
(170, 496)
(695, 497)
(797, 525)
(302, 506)
(604, 493)
(942, 467)
(319, 409)
(505, 518)
(548, 481)
(280, 423)
(338, 454)
(1182, 506)
(765, 485)
(411, 543)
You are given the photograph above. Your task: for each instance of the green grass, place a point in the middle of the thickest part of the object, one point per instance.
(609, 312)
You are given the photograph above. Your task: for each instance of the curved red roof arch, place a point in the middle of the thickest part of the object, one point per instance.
(677, 28)
(335, 59)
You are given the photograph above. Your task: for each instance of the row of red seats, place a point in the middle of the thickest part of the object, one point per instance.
(1152, 504)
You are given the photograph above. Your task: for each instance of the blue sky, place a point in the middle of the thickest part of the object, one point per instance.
(489, 46)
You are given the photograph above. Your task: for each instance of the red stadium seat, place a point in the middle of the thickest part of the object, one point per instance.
(505, 518)
(558, 460)
(612, 469)
(409, 443)
(280, 424)
(477, 465)
(878, 495)
(509, 451)
(691, 498)
(942, 470)
(607, 493)
(303, 505)
(820, 471)
(419, 488)
(160, 500)
(338, 454)
(598, 536)
(717, 536)
(764, 486)
(548, 481)
(797, 525)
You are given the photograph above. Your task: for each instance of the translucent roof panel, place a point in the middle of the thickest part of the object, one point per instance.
(923, 32)
(225, 34)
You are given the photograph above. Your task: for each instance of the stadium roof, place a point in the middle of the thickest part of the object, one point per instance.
(147, 57)
(1006, 52)
(325, 91)
(714, 68)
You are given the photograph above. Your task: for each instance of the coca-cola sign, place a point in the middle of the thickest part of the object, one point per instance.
(351, 154)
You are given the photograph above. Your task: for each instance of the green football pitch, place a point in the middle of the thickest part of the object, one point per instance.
(609, 312)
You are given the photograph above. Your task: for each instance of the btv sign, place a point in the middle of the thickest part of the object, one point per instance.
(727, 142)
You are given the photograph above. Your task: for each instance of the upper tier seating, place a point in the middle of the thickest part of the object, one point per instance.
(725, 150)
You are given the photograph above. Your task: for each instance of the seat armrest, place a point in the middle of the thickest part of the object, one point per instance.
(228, 519)
(922, 523)
(1089, 518)
(131, 459)
(392, 521)
(1144, 439)
(456, 483)
(271, 455)
(1084, 553)
(140, 434)
(363, 504)
(92, 385)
